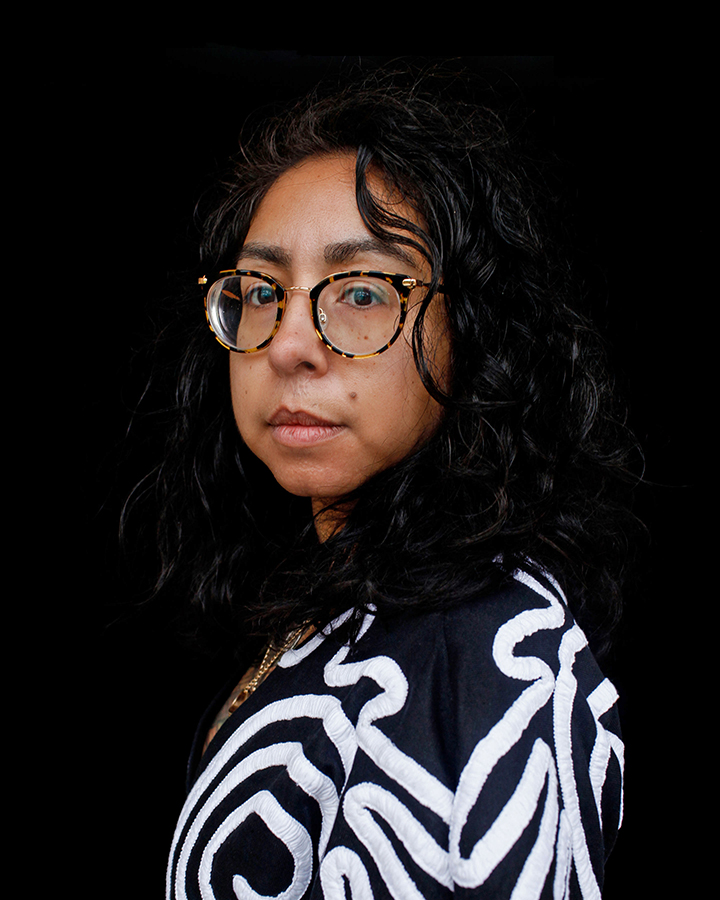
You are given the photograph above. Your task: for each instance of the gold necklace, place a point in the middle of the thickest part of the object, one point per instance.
(271, 656)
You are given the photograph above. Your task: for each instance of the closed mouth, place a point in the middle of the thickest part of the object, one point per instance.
(287, 417)
(300, 428)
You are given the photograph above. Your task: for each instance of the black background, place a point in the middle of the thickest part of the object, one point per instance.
(631, 131)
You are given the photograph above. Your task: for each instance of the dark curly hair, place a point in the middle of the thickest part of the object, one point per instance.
(530, 463)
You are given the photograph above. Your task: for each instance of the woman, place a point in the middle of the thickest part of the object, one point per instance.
(397, 510)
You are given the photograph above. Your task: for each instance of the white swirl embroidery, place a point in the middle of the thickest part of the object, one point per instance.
(548, 781)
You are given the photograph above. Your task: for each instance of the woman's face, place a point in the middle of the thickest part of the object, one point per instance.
(324, 424)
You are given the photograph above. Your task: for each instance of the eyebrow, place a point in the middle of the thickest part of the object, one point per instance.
(339, 253)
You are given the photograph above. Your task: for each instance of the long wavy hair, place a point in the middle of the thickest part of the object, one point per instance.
(530, 463)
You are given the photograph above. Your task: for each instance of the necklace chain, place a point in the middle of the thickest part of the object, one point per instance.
(271, 656)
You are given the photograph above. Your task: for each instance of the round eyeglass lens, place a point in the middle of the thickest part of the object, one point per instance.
(243, 310)
(359, 315)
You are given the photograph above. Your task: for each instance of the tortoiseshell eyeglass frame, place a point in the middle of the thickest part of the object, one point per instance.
(403, 284)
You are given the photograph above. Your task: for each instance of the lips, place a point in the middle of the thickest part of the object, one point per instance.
(286, 417)
(301, 429)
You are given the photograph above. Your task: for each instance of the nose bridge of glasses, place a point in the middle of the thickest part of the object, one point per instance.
(287, 296)
(292, 290)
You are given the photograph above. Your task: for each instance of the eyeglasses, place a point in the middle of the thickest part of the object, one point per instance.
(356, 314)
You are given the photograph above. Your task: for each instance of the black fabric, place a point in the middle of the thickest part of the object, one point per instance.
(447, 753)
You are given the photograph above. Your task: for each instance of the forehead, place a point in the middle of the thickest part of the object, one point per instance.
(316, 174)
(313, 208)
(319, 191)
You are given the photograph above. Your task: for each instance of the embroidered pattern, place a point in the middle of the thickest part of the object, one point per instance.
(324, 776)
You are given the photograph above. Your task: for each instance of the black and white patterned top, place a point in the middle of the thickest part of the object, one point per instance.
(474, 751)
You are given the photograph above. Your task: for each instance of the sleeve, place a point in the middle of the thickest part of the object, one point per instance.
(495, 771)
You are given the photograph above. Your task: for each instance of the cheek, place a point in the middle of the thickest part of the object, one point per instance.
(241, 392)
(420, 412)
(400, 408)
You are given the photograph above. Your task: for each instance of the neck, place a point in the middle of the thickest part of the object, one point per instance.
(328, 521)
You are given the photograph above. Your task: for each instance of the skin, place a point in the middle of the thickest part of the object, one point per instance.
(324, 424)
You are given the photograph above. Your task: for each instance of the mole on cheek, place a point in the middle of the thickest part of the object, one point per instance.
(353, 395)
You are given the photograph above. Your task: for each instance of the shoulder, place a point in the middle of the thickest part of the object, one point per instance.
(491, 677)
(521, 632)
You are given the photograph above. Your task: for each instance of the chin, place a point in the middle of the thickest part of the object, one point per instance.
(323, 490)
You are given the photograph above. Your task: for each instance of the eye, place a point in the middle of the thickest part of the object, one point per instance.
(362, 294)
(259, 294)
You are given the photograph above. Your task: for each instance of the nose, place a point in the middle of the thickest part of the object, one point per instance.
(296, 345)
